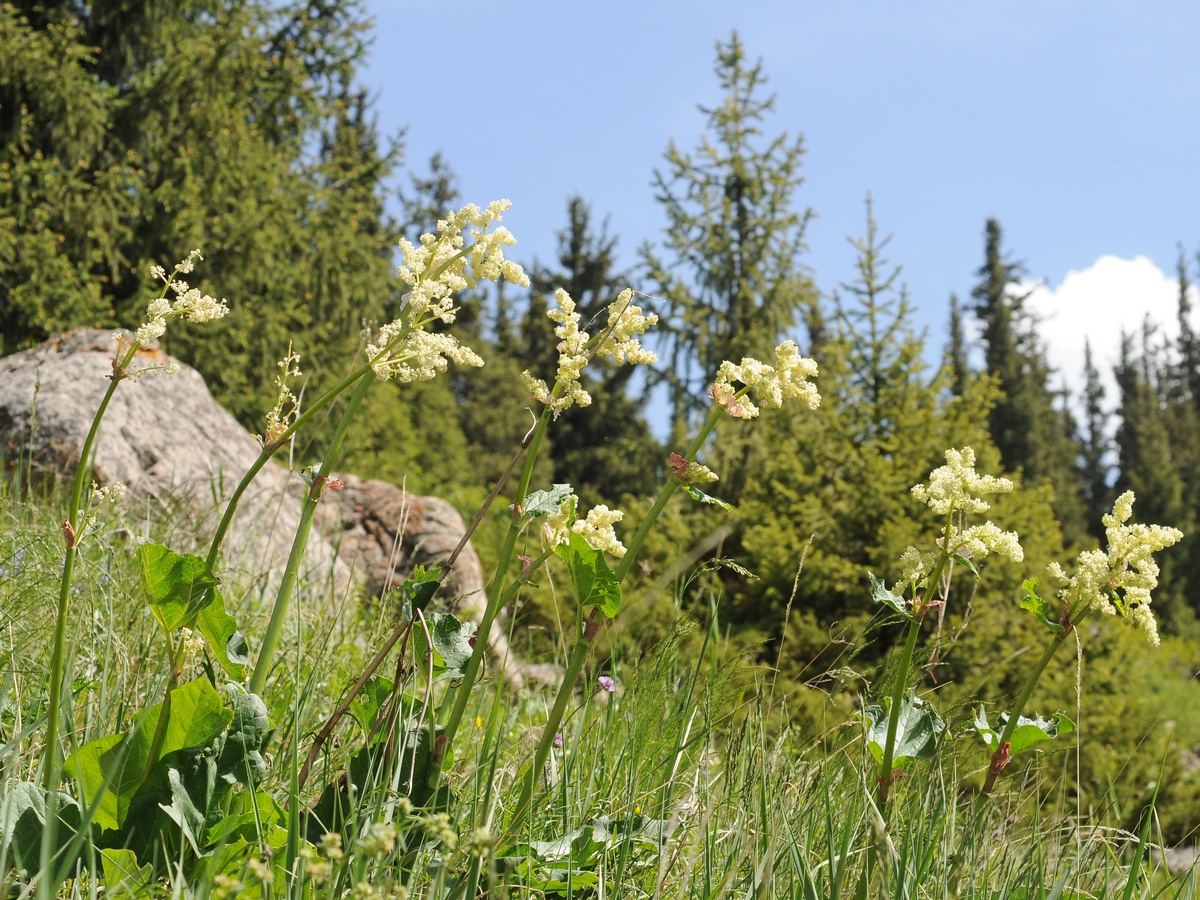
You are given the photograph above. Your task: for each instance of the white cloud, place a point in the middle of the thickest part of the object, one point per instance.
(1111, 296)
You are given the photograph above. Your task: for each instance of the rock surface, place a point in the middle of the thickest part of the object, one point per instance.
(384, 531)
(168, 440)
(163, 437)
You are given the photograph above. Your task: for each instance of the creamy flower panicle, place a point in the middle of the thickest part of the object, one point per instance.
(1118, 581)
(596, 528)
(467, 249)
(626, 322)
(955, 488)
(189, 302)
(785, 380)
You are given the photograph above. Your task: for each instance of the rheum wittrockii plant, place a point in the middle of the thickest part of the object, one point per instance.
(1116, 581)
(582, 543)
(907, 727)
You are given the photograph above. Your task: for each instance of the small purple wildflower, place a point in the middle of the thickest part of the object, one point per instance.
(558, 739)
(606, 683)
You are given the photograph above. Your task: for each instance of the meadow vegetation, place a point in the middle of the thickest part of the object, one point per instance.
(863, 620)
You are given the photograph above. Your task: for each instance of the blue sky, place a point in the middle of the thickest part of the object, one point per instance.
(1074, 123)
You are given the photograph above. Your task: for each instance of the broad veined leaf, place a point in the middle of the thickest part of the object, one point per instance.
(1028, 733)
(880, 594)
(177, 587)
(451, 649)
(123, 876)
(592, 579)
(916, 732)
(228, 645)
(1033, 602)
(543, 503)
(23, 820)
(197, 719)
(417, 591)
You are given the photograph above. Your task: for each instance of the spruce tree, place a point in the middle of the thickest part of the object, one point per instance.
(1030, 424)
(729, 270)
(131, 133)
(1096, 444)
(956, 350)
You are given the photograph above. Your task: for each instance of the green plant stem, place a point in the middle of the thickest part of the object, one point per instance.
(910, 645)
(71, 528)
(574, 667)
(897, 701)
(176, 656)
(1001, 756)
(287, 585)
(497, 595)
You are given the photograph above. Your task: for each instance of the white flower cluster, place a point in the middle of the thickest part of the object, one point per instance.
(955, 487)
(596, 528)
(978, 541)
(1118, 582)
(463, 252)
(420, 356)
(189, 302)
(952, 486)
(619, 341)
(572, 358)
(626, 322)
(445, 263)
(787, 379)
(287, 405)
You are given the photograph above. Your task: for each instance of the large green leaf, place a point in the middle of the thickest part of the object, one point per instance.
(123, 877)
(240, 758)
(227, 643)
(916, 733)
(177, 587)
(196, 720)
(417, 591)
(1028, 733)
(592, 579)
(452, 646)
(881, 594)
(23, 821)
(543, 503)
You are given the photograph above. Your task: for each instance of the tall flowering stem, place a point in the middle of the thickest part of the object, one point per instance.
(788, 378)
(189, 303)
(897, 697)
(287, 585)
(497, 596)
(953, 490)
(1116, 581)
(587, 632)
(618, 340)
(1000, 757)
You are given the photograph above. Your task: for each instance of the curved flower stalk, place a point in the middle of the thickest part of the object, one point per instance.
(467, 248)
(191, 305)
(953, 491)
(1117, 581)
(771, 385)
(626, 322)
